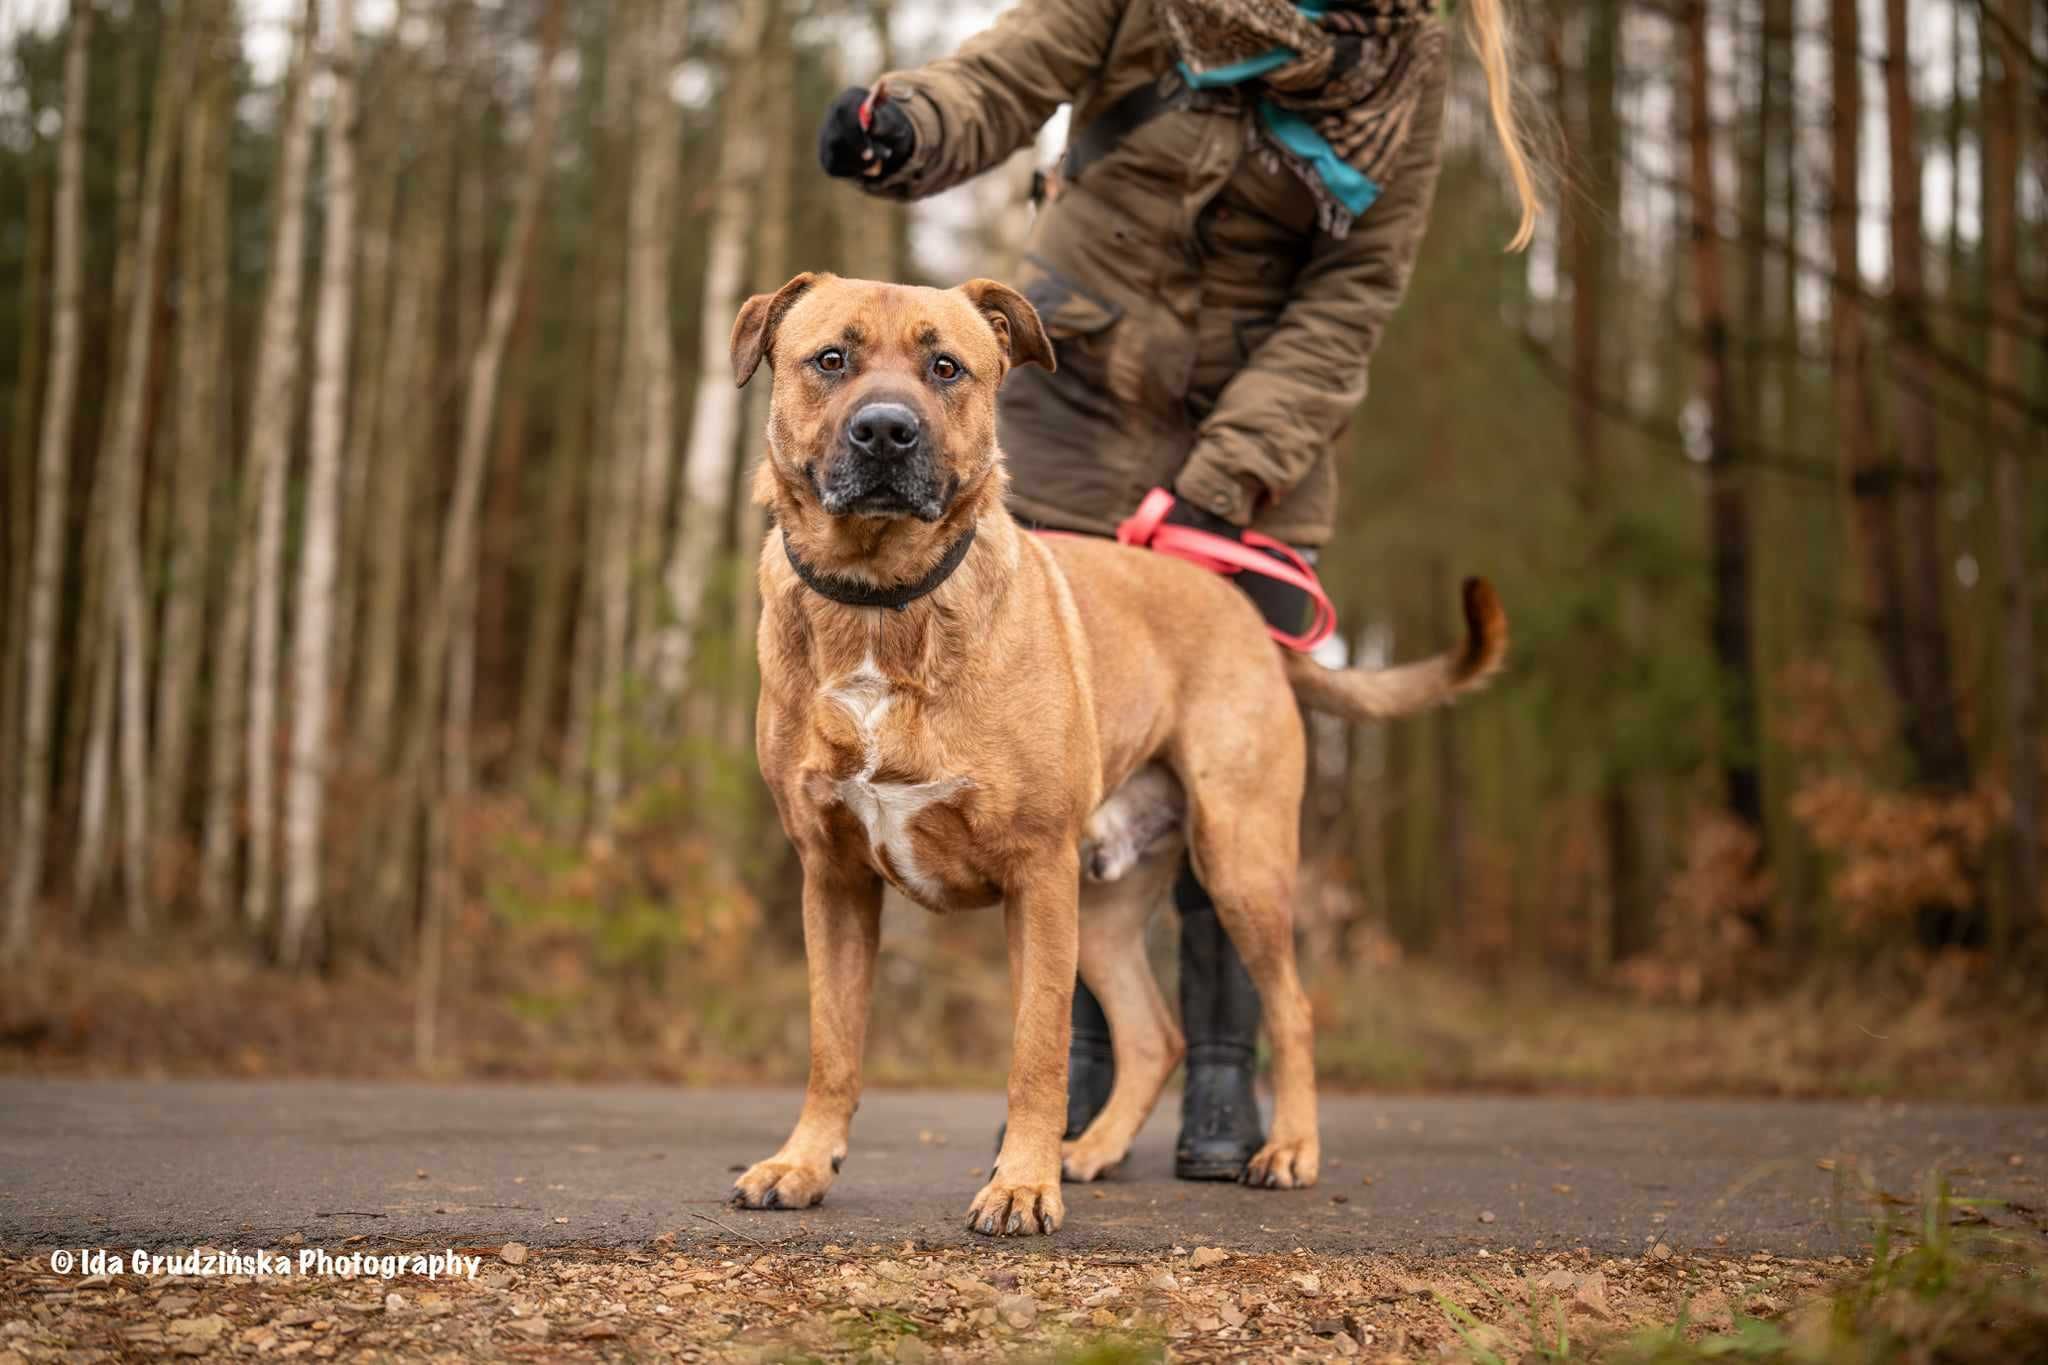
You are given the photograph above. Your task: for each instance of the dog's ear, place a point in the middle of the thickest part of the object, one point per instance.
(1015, 320)
(753, 334)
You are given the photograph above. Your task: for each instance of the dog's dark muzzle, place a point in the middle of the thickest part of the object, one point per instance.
(884, 467)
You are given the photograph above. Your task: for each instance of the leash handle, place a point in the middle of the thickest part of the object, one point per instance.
(1256, 553)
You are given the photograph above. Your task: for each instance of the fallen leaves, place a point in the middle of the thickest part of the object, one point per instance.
(916, 1306)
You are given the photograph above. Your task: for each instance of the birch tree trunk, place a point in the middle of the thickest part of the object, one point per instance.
(201, 395)
(95, 784)
(306, 773)
(2005, 71)
(53, 473)
(703, 507)
(125, 481)
(270, 441)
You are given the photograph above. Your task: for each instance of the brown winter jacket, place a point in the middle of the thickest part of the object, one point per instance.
(1210, 338)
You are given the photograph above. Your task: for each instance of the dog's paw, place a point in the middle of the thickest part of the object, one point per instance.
(1082, 1162)
(1007, 1208)
(775, 1184)
(1289, 1165)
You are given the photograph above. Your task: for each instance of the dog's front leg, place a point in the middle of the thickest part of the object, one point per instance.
(842, 925)
(1041, 918)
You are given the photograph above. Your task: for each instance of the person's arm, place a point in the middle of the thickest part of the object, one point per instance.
(973, 109)
(1275, 418)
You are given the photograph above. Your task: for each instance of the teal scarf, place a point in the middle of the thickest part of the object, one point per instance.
(1334, 84)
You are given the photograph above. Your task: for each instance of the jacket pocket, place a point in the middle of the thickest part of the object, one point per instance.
(1082, 325)
(1066, 307)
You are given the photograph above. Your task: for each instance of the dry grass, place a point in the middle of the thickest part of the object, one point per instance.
(541, 1012)
(1961, 1034)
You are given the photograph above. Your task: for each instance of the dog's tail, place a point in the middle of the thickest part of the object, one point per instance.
(1404, 689)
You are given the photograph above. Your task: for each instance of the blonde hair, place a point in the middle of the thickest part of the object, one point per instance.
(1492, 36)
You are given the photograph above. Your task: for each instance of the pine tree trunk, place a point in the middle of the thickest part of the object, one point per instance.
(1727, 492)
(704, 509)
(1941, 758)
(95, 669)
(201, 398)
(1873, 523)
(450, 635)
(306, 772)
(607, 571)
(871, 229)
(404, 407)
(1760, 157)
(643, 436)
(2005, 72)
(455, 614)
(21, 497)
(53, 473)
(650, 217)
(567, 495)
(270, 444)
(385, 163)
(771, 268)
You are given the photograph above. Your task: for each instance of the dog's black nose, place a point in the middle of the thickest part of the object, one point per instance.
(884, 429)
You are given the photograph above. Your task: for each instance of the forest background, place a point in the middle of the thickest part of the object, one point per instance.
(375, 568)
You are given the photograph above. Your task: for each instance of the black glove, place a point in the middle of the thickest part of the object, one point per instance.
(1185, 513)
(843, 145)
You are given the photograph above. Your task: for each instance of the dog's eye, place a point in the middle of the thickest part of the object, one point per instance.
(945, 369)
(831, 360)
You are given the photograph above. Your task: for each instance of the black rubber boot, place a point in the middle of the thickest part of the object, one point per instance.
(1091, 1066)
(1219, 1009)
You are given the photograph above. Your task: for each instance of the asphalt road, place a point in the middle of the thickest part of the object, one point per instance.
(137, 1164)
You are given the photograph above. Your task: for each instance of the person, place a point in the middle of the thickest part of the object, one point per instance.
(1242, 194)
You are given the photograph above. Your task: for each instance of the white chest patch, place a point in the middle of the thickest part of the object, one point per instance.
(885, 809)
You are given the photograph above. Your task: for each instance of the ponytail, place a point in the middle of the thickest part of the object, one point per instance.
(1492, 37)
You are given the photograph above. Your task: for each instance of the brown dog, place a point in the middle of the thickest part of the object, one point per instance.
(976, 715)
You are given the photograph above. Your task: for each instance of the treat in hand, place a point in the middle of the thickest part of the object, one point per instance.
(865, 134)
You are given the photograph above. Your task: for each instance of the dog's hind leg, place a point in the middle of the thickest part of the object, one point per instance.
(1143, 1032)
(1245, 804)
(842, 926)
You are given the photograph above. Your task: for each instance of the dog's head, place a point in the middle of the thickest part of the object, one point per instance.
(884, 407)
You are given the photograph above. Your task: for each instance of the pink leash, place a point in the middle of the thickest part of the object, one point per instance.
(1147, 529)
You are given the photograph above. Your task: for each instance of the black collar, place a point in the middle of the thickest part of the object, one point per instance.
(854, 594)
